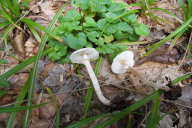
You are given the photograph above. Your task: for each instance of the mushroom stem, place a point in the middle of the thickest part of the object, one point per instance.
(95, 82)
(149, 83)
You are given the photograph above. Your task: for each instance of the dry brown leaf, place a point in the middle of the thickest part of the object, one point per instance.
(20, 117)
(18, 44)
(49, 110)
(6, 99)
(47, 67)
(32, 3)
(35, 50)
(46, 7)
(41, 124)
(12, 60)
(34, 116)
(4, 117)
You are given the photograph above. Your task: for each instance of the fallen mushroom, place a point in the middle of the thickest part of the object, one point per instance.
(83, 56)
(124, 61)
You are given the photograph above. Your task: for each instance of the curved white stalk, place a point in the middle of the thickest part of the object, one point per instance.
(94, 80)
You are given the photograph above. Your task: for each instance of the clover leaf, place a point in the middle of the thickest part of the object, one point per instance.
(116, 8)
(89, 22)
(110, 29)
(64, 59)
(142, 29)
(130, 17)
(101, 23)
(76, 25)
(118, 34)
(87, 13)
(61, 19)
(80, 3)
(65, 27)
(108, 39)
(3, 61)
(72, 15)
(112, 56)
(101, 42)
(98, 5)
(103, 49)
(110, 48)
(88, 45)
(134, 36)
(76, 42)
(110, 16)
(123, 26)
(4, 83)
(92, 36)
(57, 54)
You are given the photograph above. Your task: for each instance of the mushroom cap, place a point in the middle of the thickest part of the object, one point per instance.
(77, 56)
(127, 58)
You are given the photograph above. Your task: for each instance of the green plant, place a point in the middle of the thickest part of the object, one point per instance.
(97, 24)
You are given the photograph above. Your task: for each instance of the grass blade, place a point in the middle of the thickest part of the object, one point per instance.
(4, 24)
(34, 33)
(10, 7)
(90, 90)
(181, 28)
(34, 72)
(20, 97)
(15, 109)
(57, 107)
(17, 11)
(153, 118)
(22, 65)
(184, 9)
(190, 7)
(85, 121)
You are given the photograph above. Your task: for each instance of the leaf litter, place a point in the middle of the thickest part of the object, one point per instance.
(155, 68)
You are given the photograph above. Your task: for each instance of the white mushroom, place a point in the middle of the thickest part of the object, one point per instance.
(124, 61)
(83, 56)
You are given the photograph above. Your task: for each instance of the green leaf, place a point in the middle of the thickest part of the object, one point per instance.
(123, 26)
(110, 16)
(88, 13)
(3, 61)
(104, 49)
(101, 23)
(101, 42)
(108, 39)
(76, 42)
(133, 36)
(142, 29)
(89, 22)
(2, 93)
(1, 35)
(65, 27)
(64, 59)
(80, 3)
(4, 83)
(92, 36)
(118, 34)
(89, 45)
(110, 29)
(110, 48)
(60, 50)
(98, 5)
(72, 15)
(76, 25)
(115, 8)
(61, 19)
(130, 17)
